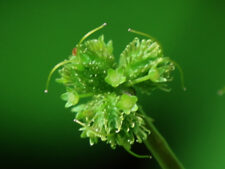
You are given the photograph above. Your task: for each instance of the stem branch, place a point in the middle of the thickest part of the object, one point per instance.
(160, 149)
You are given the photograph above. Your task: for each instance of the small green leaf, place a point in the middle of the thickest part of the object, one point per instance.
(115, 77)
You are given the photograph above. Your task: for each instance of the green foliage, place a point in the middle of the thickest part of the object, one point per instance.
(110, 111)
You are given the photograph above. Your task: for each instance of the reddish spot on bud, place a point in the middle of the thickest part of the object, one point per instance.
(74, 51)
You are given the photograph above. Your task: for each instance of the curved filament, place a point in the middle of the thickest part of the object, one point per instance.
(53, 70)
(144, 34)
(137, 155)
(91, 32)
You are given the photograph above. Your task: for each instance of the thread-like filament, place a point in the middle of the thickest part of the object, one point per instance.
(91, 32)
(137, 155)
(53, 70)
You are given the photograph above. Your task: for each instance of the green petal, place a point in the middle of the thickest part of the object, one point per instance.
(115, 77)
(72, 98)
(154, 75)
(127, 103)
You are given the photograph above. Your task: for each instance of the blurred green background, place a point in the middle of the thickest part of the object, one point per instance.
(36, 131)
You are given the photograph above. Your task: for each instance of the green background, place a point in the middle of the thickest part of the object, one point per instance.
(36, 131)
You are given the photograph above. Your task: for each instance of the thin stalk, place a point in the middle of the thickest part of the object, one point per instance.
(146, 35)
(139, 80)
(53, 70)
(160, 149)
(91, 32)
(138, 155)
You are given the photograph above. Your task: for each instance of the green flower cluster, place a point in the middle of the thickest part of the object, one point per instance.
(142, 66)
(108, 110)
(112, 118)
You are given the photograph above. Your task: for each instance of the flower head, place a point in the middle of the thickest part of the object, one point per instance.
(109, 110)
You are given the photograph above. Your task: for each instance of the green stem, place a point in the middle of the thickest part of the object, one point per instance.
(85, 95)
(160, 149)
(137, 155)
(139, 80)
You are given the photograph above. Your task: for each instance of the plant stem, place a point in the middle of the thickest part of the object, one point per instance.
(139, 80)
(160, 149)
